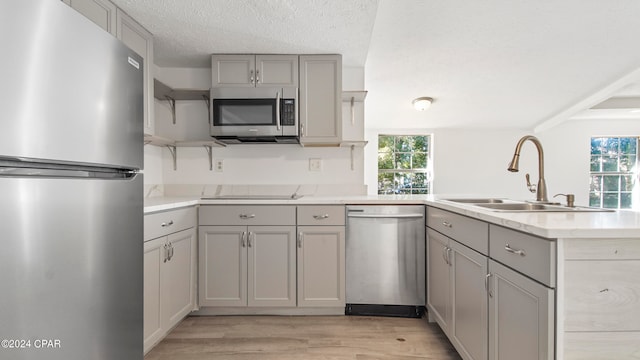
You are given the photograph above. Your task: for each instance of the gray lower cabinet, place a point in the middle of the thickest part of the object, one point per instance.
(457, 295)
(169, 272)
(491, 289)
(521, 316)
(247, 266)
(321, 256)
(321, 266)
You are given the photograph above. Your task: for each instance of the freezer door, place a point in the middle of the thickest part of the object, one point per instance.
(71, 268)
(70, 91)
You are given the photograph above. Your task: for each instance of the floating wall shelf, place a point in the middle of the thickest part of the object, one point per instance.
(162, 91)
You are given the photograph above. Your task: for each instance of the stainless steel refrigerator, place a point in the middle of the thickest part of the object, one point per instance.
(71, 118)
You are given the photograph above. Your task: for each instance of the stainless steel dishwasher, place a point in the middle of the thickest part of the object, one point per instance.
(385, 260)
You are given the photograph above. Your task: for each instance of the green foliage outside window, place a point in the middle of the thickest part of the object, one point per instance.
(614, 172)
(403, 163)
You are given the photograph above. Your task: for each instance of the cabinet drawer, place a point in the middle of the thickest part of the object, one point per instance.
(167, 222)
(531, 255)
(470, 232)
(247, 215)
(321, 215)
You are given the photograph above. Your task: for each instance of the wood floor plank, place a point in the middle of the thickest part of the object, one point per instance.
(304, 337)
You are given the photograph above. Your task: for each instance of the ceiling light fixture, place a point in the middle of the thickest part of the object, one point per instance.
(422, 103)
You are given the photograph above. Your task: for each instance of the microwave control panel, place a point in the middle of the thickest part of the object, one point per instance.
(287, 112)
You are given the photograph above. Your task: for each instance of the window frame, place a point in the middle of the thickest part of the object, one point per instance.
(411, 171)
(614, 180)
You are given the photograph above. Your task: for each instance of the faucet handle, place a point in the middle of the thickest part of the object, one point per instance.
(570, 199)
(530, 186)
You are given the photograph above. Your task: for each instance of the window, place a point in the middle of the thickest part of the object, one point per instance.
(404, 163)
(614, 173)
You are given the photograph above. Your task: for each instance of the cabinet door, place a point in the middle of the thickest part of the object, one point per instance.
(222, 266)
(233, 70)
(438, 279)
(271, 266)
(101, 12)
(178, 278)
(276, 70)
(521, 316)
(320, 99)
(153, 260)
(139, 40)
(321, 266)
(469, 302)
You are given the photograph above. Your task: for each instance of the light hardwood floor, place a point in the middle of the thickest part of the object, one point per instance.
(304, 337)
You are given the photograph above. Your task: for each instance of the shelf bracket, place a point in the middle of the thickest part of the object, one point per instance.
(353, 112)
(207, 102)
(210, 153)
(352, 156)
(172, 105)
(173, 150)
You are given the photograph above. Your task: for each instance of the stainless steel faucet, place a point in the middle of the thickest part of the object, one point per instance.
(541, 188)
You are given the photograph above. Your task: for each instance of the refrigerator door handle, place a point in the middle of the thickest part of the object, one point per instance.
(42, 169)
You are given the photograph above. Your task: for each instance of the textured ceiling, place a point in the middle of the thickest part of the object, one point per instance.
(187, 32)
(490, 63)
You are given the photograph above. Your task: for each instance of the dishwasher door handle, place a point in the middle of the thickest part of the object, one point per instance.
(389, 216)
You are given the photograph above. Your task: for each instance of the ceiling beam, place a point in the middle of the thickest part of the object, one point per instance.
(589, 102)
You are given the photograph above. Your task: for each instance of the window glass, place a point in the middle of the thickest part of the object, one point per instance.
(404, 163)
(614, 173)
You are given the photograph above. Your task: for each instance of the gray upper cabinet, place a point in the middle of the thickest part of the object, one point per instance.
(320, 99)
(254, 70)
(116, 22)
(101, 12)
(139, 40)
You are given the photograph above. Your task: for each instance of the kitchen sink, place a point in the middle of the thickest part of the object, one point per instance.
(477, 201)
(533, 207)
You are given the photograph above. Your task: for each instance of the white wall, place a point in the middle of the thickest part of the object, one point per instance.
(474, 161)
(466, 161)
(567, 148)
(243, 164)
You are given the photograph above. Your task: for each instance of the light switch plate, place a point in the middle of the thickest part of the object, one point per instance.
(315, 164)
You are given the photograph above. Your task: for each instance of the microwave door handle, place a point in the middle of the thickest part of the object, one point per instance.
(278, 110)
(295, 113)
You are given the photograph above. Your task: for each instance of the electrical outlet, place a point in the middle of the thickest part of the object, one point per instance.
(219, 165)
(315, 164)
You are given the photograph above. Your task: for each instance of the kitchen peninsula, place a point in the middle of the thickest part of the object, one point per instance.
(593, 303)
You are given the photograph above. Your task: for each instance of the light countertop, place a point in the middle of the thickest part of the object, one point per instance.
(618, 224)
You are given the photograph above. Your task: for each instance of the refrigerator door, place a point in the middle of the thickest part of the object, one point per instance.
(70, 91)
(71, 268)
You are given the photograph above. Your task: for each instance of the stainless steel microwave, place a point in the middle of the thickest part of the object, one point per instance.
(254, 115)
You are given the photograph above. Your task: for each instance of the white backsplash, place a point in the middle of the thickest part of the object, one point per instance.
(180, 190)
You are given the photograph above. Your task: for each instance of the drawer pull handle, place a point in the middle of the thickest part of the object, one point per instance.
(447, 224)
(243, 239)
(514, 251)
(164, 224)
(321, 217)
(300, 238)
(251, 233)
(247, 216)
